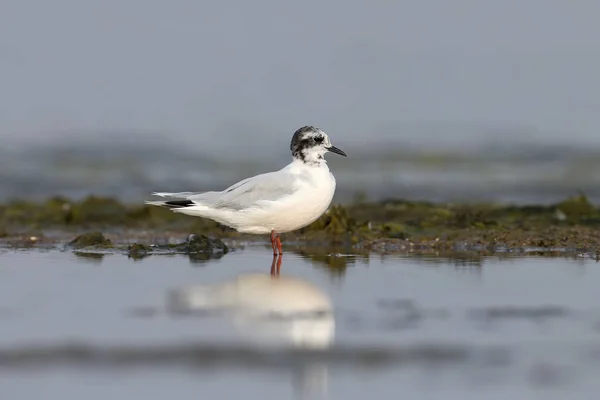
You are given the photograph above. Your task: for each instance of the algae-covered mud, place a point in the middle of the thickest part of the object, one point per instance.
(387, 226)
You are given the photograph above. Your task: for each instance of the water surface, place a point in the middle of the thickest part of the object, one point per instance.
(78, 326)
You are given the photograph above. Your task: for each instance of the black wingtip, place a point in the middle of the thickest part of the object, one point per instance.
(178, 203)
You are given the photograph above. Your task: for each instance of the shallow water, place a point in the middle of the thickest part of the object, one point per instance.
(76, 326)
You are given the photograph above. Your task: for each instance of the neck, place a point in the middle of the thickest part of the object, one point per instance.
(311, 161)
(310, 157)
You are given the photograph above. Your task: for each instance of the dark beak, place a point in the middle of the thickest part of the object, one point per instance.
(335, 150)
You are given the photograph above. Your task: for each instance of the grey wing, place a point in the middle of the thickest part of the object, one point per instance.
(250, 192)
(201, 197)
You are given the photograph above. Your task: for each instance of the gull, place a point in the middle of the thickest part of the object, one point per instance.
(274, 202)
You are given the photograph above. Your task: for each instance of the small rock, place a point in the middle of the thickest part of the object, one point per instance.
(203, 244)
(90, 239)
(198, 247)
(138, 250)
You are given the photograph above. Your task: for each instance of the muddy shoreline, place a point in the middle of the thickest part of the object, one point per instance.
(388, 226)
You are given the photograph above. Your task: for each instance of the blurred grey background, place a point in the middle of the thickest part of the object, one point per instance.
(435, 100)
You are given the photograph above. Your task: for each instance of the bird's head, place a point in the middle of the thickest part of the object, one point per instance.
(310, 144)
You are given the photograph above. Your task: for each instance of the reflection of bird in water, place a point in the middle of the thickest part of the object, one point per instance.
(276, 265)
(275, 202)
(275, 309)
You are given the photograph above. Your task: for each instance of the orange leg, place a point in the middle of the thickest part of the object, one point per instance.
(276, 243)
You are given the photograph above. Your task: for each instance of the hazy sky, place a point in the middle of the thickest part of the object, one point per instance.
(207, 70)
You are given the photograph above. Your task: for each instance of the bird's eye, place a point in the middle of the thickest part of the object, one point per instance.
(319, 139)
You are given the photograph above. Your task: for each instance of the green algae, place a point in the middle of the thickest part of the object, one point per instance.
(577, 208)
(198, 243)
(394, 230)
(571, 223)
(99, 210)
(198, 247)
(90, 239)
(138, 251)
(54, 212)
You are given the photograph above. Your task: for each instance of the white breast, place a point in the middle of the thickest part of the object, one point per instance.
(316, 186)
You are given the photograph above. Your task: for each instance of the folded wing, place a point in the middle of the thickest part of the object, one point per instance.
(256, 191)
(252, 192)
